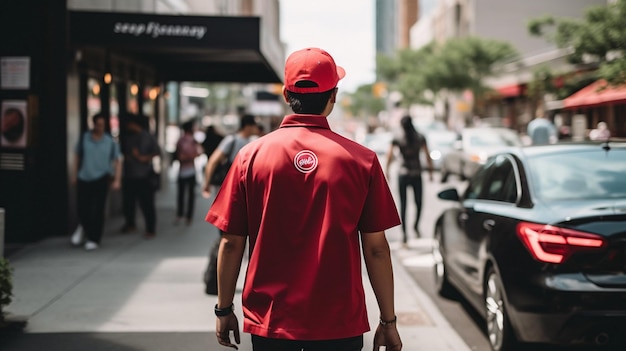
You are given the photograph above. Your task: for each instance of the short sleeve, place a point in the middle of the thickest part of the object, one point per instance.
(379, 211)
(229, 212)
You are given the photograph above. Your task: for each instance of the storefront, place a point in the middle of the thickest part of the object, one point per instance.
(59, 67)
(600, 102)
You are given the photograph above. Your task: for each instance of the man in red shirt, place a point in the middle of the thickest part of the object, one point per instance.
(306, 198)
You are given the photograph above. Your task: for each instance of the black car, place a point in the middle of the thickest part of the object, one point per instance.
(537, 244)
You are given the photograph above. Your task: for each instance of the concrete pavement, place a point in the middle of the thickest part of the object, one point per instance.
(137, 294)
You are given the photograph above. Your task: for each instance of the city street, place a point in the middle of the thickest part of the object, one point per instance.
(135, 294)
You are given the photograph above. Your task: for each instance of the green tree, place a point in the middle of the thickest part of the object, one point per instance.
(407, 73)
(458, 64)
(363, 102)
(599, 38)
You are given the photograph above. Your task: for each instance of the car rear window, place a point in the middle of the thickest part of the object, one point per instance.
(584, 174)
(488, 138)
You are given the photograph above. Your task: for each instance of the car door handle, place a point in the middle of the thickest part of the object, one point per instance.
(488, 224)
(463, 217)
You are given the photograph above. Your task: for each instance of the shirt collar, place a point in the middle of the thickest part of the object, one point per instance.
(296, 120)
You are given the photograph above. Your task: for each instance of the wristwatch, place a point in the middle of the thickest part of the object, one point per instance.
(385, 323)
(222, 312)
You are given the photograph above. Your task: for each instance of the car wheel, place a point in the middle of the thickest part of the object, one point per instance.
(499, 331)
(442, 284)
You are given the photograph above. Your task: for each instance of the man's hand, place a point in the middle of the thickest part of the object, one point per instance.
(116, 184)
(387, 336)
(223, 327)
(206, 190)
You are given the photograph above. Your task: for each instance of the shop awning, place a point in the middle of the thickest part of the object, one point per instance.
(512, 90)
(183, 48)
(597, 93)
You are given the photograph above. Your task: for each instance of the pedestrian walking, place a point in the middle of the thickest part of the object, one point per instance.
(211, 140)
(541, 130)
(224, 154)
(187, 149)
(410, 143)
(139, 181)
(96, 168)
(307, 201)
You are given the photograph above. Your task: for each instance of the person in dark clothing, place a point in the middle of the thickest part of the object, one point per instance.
(410, 143)
(187, 149)
(227, 149)
(139, 148)
(211, 140)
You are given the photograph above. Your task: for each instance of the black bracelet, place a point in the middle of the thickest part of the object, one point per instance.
(221, 312)
(385, 323)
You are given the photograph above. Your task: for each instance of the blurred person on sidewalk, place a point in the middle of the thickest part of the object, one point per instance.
(138, 182)
(211, 140)
(410, 144)
(541, 130)
(97, 166)
(601, 132)
(187, 149)
(307, 200)
(226, 151)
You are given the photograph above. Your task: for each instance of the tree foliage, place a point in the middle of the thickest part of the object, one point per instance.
(457, 65)
(600, 38)
(363, 102)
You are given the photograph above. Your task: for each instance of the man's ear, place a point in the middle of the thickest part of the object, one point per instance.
(333, 96)
(285, 95)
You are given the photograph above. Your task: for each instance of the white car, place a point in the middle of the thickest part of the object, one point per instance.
(473, 148)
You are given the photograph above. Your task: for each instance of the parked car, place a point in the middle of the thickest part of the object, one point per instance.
(440, 142)
(379, 142)
(473, 148)
(537, 244)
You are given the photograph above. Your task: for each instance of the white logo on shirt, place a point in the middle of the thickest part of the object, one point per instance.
(305, 161)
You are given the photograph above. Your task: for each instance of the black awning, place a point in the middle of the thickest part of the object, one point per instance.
(179, 48)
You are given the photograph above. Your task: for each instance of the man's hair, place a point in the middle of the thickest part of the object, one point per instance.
(97, 116)
(140, 120)
(247, 120)
(187, 126)
(312, 103)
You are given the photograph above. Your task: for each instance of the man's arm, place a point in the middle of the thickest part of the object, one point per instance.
(379, 269)
(117, 180)
(216, 158)
(228, 266)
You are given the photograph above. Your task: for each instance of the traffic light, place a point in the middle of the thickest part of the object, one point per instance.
(379, 89)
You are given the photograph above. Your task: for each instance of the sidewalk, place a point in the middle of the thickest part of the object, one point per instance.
(136, 294)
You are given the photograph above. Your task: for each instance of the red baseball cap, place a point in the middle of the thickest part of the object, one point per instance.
(315, 65)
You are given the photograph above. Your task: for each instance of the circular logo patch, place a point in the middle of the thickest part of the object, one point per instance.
(305, 161)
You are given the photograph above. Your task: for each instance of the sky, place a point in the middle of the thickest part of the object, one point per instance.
(344, 28)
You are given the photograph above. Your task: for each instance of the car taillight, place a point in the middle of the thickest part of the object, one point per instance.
(552, 244)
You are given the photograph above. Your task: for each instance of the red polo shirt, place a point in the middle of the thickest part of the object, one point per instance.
(302, 194)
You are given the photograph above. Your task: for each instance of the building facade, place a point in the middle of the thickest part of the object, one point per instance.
(503, 20)
(64, 60)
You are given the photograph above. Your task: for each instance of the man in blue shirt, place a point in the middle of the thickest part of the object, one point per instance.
(97, 160)
(541, 130)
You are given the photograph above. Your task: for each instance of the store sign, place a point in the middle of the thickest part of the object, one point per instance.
(138, 31)
(156, 29)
